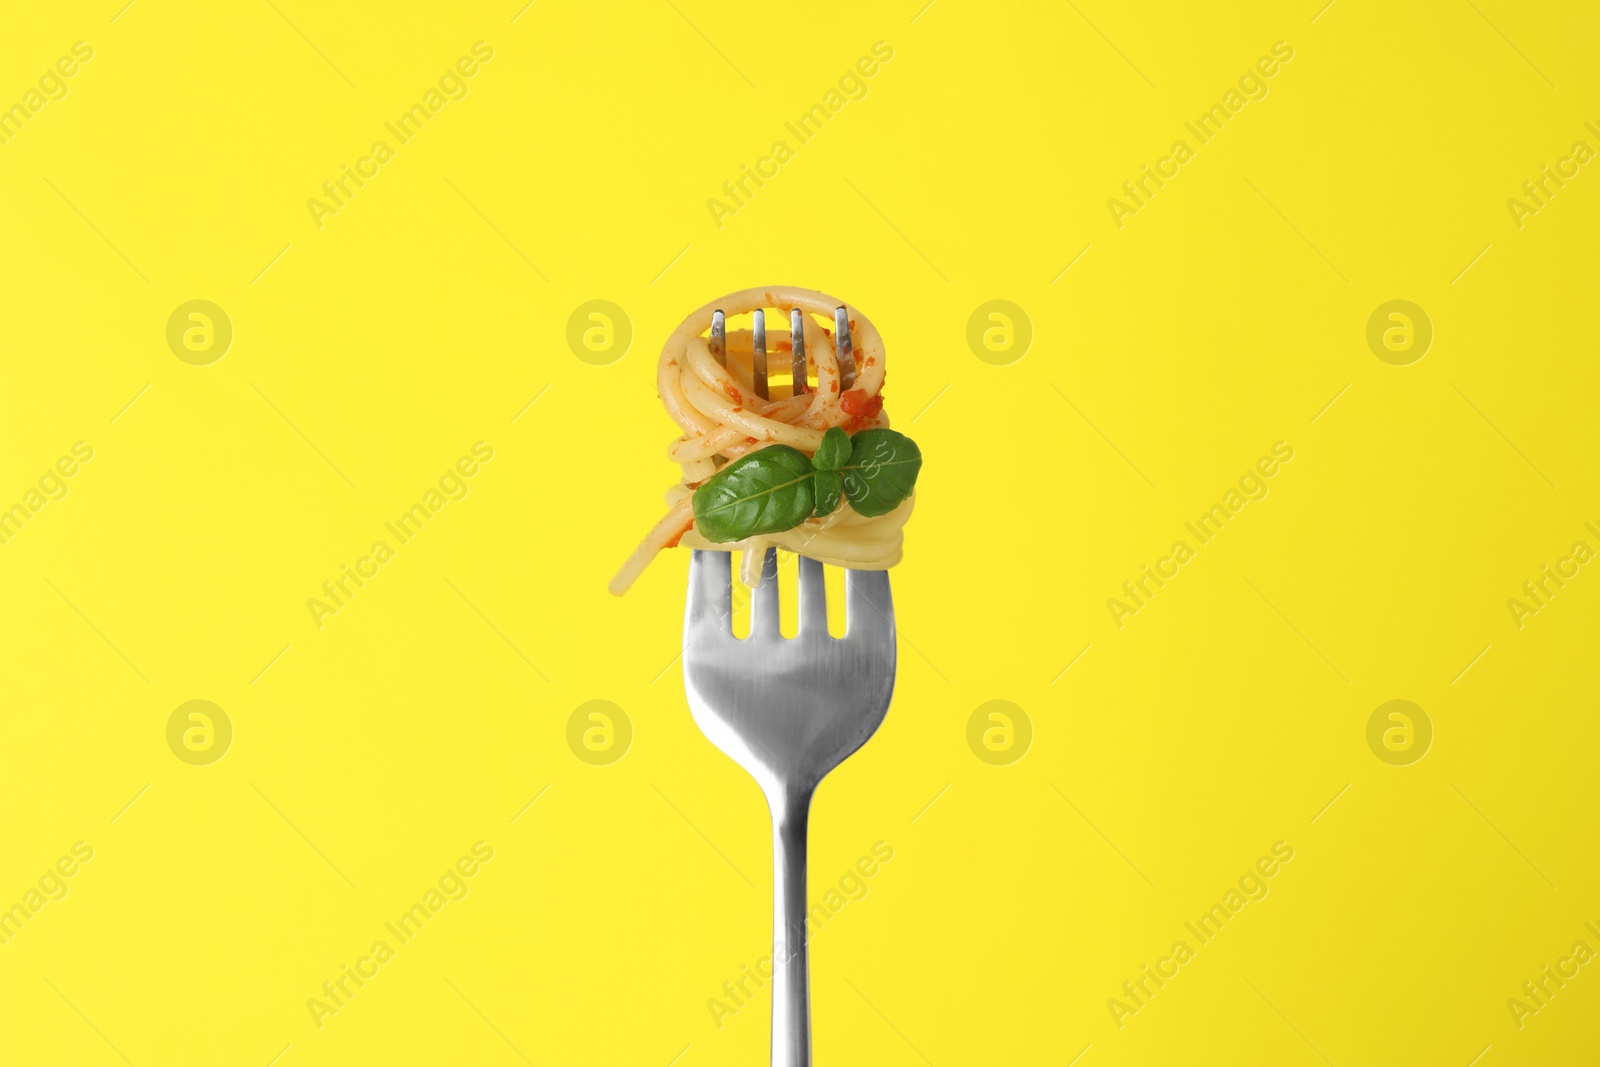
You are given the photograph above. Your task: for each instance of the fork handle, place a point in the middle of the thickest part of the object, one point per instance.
(791, 982)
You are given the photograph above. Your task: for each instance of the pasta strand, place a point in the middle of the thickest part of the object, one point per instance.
(722, 418)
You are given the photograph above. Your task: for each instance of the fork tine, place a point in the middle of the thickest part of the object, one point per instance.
(813, 598)
(797, 341)
(869, 609)
(847, 355)
(710, 591)
(764, 601)
(758, 365)
(719, 337)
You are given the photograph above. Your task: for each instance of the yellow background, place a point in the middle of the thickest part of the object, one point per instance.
(370, 353)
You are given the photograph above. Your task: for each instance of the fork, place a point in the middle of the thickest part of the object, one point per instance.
(788, 710)
(718, 344)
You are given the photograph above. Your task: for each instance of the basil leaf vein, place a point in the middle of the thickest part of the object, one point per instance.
(834, 451)
(767, 491)
(882, 471)
(778, 487)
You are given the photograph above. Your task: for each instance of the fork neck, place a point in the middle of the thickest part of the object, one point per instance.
(791, 986)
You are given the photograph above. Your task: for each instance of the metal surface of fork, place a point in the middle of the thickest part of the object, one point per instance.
(797, 344)
(719, 337)
(797, 341)
(758, 362)
(788, 710)
(847, 355)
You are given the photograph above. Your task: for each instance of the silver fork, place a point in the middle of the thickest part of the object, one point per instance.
(797, 341)
(788, 710)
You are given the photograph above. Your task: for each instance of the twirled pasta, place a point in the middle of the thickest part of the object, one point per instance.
(723, 418)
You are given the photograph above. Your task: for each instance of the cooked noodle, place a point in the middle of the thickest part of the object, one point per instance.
(722, 418)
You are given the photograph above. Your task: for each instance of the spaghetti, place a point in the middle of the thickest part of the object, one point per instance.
(723, 417)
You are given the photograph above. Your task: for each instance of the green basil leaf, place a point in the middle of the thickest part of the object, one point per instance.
(834, 452)
(767, 491)
(828, 486)
(882, 471)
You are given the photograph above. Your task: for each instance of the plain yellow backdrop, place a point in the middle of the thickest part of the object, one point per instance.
(373, 346)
